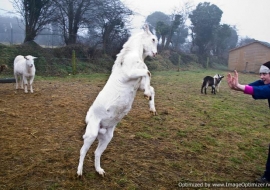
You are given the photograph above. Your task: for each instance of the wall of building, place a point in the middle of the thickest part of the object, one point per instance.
(249, 58)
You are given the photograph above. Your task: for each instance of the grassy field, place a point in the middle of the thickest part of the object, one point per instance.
(194, 137)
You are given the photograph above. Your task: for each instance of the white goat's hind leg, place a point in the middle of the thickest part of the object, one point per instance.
(21, 81)
(30, 83)
(103, 141)
(17, 82)
(25, 82)
(152, 101)
(89, 137)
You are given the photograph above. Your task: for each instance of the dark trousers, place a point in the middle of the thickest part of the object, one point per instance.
(267, 167)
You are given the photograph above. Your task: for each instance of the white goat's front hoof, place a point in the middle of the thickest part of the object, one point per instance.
(101, 172)
(79, 172)
(26, 92)
(154, 112)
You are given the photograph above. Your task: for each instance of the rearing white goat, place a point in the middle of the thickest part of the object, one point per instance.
(129, 74)
(24, 68)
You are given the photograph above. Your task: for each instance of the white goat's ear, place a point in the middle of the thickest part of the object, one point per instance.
(146, 29)
(34, 57)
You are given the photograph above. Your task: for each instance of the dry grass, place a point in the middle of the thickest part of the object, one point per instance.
(193, 138)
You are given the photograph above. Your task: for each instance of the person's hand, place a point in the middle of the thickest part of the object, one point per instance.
(229, 80)
(233, 82)
(235, 79)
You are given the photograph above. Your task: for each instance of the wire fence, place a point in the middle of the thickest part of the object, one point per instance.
(47, 66)
(61, 66)
(44, 40)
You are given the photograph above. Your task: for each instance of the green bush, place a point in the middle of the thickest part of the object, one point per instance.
(174, 58)
(188, 58)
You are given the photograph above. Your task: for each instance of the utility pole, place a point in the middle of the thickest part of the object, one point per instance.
(11, 34)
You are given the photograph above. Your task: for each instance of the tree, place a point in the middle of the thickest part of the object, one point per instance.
(162, 30)
(164, 26)
(111, 17)
(225, 38)
(245, 40)
(71, 15)
(205, 19)
(177, 20)
(10, 30)
(159, 22)
(179, 37)
(221, 33)
(167, 27)
(180, 32)
(36, 15)
(156, 17)
(233, 39)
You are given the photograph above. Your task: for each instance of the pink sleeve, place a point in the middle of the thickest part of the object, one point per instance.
(248, 90)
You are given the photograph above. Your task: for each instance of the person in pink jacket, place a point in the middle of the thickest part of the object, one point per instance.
(259, 89)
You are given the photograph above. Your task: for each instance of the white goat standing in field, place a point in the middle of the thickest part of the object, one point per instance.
(129, 74)
(24, 68)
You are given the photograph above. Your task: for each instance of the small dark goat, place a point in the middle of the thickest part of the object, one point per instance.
(211, 81)
(3, 67)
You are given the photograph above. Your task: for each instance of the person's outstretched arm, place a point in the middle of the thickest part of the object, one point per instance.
(233, 83)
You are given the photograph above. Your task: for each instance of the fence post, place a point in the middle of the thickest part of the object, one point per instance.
(207, 62)
(179, 62)
(73, 63)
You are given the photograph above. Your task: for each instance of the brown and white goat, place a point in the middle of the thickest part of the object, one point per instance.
(211, 81)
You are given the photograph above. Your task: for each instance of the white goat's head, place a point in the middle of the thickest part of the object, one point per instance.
(218, 76)
(30, 60)
(150, 43)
